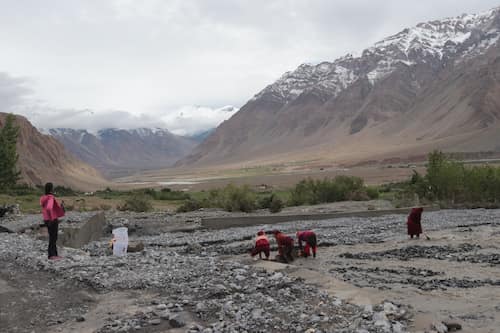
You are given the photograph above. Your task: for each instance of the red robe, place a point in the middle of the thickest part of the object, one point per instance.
(413, 223)
(308, 237)
(285, 244)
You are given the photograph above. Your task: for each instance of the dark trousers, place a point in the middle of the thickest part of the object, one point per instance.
(52, 228)
(311, 243)
(285, 253)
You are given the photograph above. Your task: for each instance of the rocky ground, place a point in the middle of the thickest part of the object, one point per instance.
(367, 278)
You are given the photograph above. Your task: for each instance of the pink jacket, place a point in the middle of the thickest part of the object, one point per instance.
(261, 240)
(51, 210)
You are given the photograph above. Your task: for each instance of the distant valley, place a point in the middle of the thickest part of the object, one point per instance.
(119, 152)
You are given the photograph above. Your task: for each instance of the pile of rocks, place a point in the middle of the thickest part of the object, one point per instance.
(445, 252)
(9, 210)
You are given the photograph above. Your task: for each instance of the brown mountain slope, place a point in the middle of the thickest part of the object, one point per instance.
(436, 85)
(43, 159)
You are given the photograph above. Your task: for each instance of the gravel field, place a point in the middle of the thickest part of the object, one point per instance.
(368, 277)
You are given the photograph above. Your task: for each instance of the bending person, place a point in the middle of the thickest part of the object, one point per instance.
(261, 245)
(285, 246)
(309, 238)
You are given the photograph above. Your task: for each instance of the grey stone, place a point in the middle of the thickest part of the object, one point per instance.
(177, 321)
(439, 327)
(155, 321)
(161, 307)
(452, 327)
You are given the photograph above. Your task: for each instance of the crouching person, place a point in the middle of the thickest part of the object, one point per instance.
(285, 246)
(309, 238)
(261, 245)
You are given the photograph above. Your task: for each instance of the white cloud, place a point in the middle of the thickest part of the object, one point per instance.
(17, 97)
(13, 92)
(187, 120)
(151, 56)
(196, 119)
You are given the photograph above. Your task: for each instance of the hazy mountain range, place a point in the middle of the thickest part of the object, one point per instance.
(117, 152)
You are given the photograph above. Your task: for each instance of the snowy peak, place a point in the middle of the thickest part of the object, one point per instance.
(75, 134)
(137, 132)
(437, 38)
(452, 39)
(334, 76)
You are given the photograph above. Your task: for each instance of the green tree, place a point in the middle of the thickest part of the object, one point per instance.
(9, 175)
(445, 177)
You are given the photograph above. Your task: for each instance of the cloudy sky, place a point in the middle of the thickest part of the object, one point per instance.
(176, 63)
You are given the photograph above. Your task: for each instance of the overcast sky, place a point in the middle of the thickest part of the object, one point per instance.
(175, 63)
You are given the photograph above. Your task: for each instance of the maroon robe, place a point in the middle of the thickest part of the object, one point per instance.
(413, 223)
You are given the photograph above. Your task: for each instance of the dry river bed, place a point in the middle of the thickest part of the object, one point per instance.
(368, 277)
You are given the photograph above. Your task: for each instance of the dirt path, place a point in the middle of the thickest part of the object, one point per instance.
(33, 301)
(36, 301)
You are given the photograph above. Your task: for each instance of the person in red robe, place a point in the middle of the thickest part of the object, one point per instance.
(261, 245)
(285, 246)
(413, 222)
(309, 238)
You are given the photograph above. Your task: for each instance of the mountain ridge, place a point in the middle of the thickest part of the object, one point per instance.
(44, 159)
(379, 98)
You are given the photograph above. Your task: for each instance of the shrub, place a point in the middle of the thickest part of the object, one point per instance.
(105, 207)
(64, 191)
(372, 192)
(452, 182)
(265, 202)
(340, 188)
(230, 198)
(168, 194)
(271, 202)
(303, 193)
(189, 206)
(237, 199)
(165, 194)
(23, 189)
(276, 204)
(137, 203)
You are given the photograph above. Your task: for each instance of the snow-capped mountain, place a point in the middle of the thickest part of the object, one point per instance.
(442, 70)
(117, 152)
(435, 42)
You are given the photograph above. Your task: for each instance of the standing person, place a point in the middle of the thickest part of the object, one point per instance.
(285, 246)
(413, 222)
(261, 245)
(309, 237)
(51, 211)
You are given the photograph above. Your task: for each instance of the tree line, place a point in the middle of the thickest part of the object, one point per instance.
(452, 182)
(9, 175)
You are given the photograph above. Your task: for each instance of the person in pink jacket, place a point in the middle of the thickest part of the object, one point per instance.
(51, 212)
